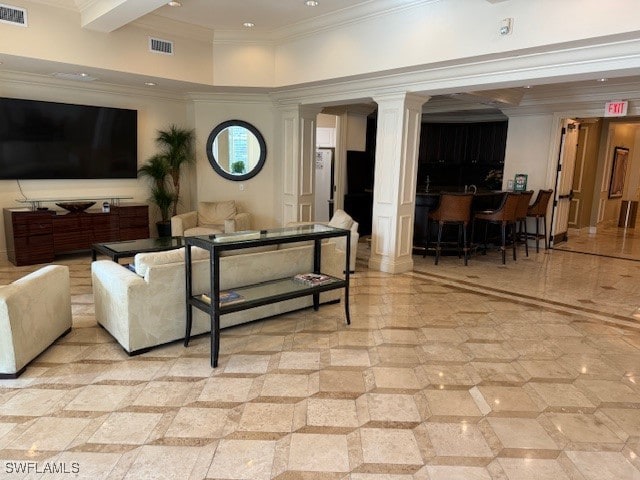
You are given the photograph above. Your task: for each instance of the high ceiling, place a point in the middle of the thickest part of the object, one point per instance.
(267, 15)
(277, 17)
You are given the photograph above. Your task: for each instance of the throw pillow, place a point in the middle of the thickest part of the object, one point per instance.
(215, 213)
(341, 219)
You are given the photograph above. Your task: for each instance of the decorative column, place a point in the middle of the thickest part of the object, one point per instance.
(394, 191)
(299, 151)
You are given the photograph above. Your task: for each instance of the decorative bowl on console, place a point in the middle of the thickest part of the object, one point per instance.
(75, 207)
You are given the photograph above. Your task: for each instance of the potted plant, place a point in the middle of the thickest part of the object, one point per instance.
(157, 169)
(176, 145)
(177, 148)
(237, 167)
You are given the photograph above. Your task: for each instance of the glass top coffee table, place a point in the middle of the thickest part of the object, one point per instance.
(128, 248)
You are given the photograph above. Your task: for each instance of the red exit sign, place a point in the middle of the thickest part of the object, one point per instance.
(616, 108)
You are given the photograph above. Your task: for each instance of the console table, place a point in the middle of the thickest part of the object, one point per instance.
(37, 236)
(262, 293)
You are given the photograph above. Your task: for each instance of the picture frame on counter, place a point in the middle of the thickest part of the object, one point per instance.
(520, 182)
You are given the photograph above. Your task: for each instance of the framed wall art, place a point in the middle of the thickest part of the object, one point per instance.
(618, 171)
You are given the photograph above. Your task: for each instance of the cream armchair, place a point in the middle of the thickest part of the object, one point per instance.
(209, 219)
(34, 312)
(341, 219)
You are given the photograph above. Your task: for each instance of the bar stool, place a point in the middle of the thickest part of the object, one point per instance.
(538, 210)
(521, 218)
(453, 209)
(504, 215)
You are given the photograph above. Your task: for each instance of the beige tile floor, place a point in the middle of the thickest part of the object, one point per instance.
(522, 372)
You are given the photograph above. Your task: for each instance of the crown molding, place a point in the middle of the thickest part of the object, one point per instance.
(245, 96)
(614, 57)
(19, 78)
(329, 21)
(345, 17)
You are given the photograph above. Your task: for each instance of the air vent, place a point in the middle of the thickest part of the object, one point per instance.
(13, 15)
(157, 45)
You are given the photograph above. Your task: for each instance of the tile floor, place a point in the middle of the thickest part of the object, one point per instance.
(518, 372)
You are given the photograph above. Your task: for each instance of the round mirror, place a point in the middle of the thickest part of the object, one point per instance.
(236, 150)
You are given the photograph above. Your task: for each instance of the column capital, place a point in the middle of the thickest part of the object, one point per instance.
(303, 111)
(411, 99)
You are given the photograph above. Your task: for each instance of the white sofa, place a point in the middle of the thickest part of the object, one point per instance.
(146, 308)
(35, 311)
(209, 219)
(341, 219)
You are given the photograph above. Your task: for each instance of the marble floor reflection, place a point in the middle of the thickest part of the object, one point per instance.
(611, 241)
(525, 371)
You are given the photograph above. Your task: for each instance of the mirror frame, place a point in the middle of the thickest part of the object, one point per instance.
(212, 159)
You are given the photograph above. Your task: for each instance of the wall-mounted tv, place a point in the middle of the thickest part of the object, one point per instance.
(47, 140)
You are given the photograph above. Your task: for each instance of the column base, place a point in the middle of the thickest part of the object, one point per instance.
(391, 265)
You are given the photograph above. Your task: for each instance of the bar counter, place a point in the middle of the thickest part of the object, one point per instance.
(426, 201)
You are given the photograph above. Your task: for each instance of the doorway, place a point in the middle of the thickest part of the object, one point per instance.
(605, 190)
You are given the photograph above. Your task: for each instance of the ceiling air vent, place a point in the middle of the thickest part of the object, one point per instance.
(157, 45)
(13, 15)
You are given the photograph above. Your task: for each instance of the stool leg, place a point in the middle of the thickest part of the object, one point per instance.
(465, 248)
(544, 226)
(459, 240)
(504, 243)
(538, 235)
(440, 225)
(514, 244)
(526, 236)
(426, 243)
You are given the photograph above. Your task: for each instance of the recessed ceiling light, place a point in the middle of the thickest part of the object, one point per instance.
(602, 79)
(150, 84)
(527, 86)
(84, 75)
(249, 24)
(311, 3)
(174, 4)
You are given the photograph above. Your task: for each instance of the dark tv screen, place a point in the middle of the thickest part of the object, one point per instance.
(47, 140)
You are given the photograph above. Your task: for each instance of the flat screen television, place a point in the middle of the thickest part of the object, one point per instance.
(47, 140)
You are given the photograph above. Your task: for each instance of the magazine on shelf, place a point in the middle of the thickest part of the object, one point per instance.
(312, 279)
(227, 297)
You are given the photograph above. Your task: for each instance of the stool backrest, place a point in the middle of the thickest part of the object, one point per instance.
(454, 207)
(540, 205)
(523, 204)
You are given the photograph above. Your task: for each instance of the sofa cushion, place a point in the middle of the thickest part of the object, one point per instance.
(142, 261)
(215, 213)
(341, 219)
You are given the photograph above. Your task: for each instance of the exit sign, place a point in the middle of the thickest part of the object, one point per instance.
(616, 108)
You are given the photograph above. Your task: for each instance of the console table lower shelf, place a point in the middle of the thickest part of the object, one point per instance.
(264, 293)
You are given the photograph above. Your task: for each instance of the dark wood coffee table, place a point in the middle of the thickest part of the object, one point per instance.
(118, 250)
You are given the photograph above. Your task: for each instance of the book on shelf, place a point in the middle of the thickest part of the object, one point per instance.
(313, 279)
(227, 297)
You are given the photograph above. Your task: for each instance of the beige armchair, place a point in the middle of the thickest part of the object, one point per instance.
(341, 219)
(34, 312)
(209, 219)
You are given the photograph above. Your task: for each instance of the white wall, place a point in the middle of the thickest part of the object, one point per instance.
(54, 34)
(261, 194)
(445, 31)
(154, 112)
(529, 141)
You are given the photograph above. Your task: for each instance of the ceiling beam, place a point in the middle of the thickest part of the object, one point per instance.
(109, 15)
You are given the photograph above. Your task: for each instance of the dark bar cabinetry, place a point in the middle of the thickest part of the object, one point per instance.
(38, 236)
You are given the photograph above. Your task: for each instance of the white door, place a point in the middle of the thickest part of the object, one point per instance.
(323, 184)
(564, 181)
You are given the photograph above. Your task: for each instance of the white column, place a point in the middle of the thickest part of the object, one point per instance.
(299, 140)
(394, 191)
